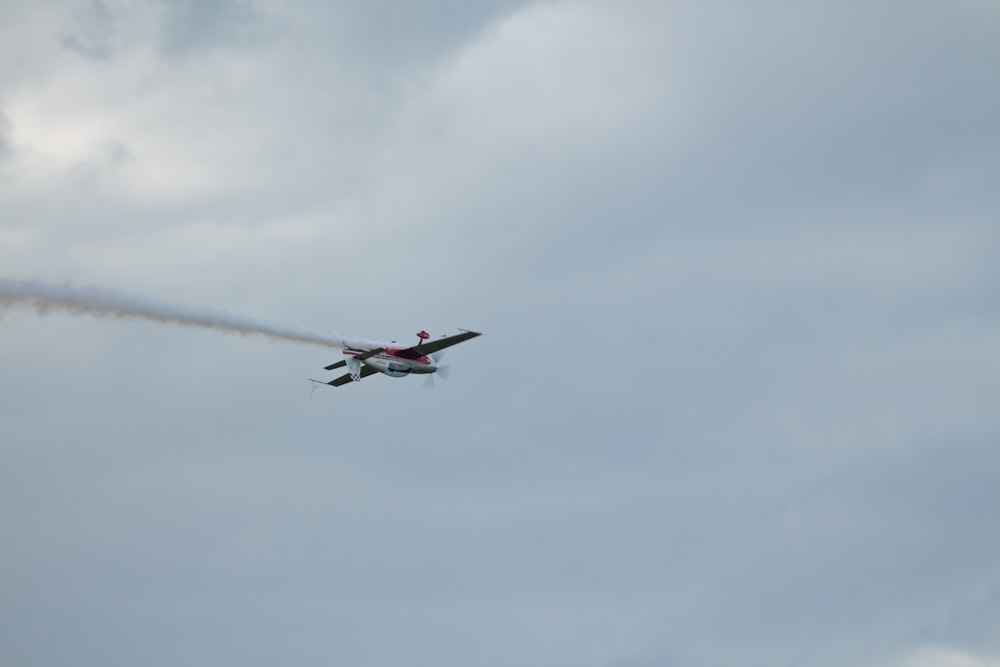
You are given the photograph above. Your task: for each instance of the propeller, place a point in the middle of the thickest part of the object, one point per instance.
(441, 370)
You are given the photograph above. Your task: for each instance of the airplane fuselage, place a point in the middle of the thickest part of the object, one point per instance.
(395, 362)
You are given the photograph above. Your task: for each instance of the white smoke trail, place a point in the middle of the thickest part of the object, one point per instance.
(101, 302)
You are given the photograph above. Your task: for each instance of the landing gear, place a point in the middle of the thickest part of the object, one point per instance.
(354, 367)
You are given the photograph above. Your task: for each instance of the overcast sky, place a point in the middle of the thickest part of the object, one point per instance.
(736, 404)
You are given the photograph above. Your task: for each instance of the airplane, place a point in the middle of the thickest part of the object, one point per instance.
(394, 360)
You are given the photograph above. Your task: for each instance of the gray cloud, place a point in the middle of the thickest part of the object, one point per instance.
(5, 148)
(189, 28)
(93, 31)
(735, 404)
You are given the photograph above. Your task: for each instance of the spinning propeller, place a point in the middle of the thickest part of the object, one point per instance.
(443, 371)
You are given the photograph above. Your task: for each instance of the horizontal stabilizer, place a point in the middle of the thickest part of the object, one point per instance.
(342, 380)
(370, 353)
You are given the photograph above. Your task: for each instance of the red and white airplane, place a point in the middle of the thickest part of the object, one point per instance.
(394, 360)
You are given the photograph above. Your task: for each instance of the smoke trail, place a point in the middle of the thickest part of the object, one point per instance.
(114, 303)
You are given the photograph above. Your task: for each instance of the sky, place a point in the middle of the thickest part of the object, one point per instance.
(735, 404)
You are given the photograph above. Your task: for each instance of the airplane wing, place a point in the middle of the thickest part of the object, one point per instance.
(346, 377)
(433, 346)
(336, 365)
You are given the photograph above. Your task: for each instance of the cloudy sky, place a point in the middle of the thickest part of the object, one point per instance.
(737, 403)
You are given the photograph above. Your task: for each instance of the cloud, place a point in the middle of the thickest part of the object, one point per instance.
(4, 137)
(735, 403)
(944, 657)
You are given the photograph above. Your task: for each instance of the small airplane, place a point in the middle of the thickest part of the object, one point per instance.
(394, 360)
